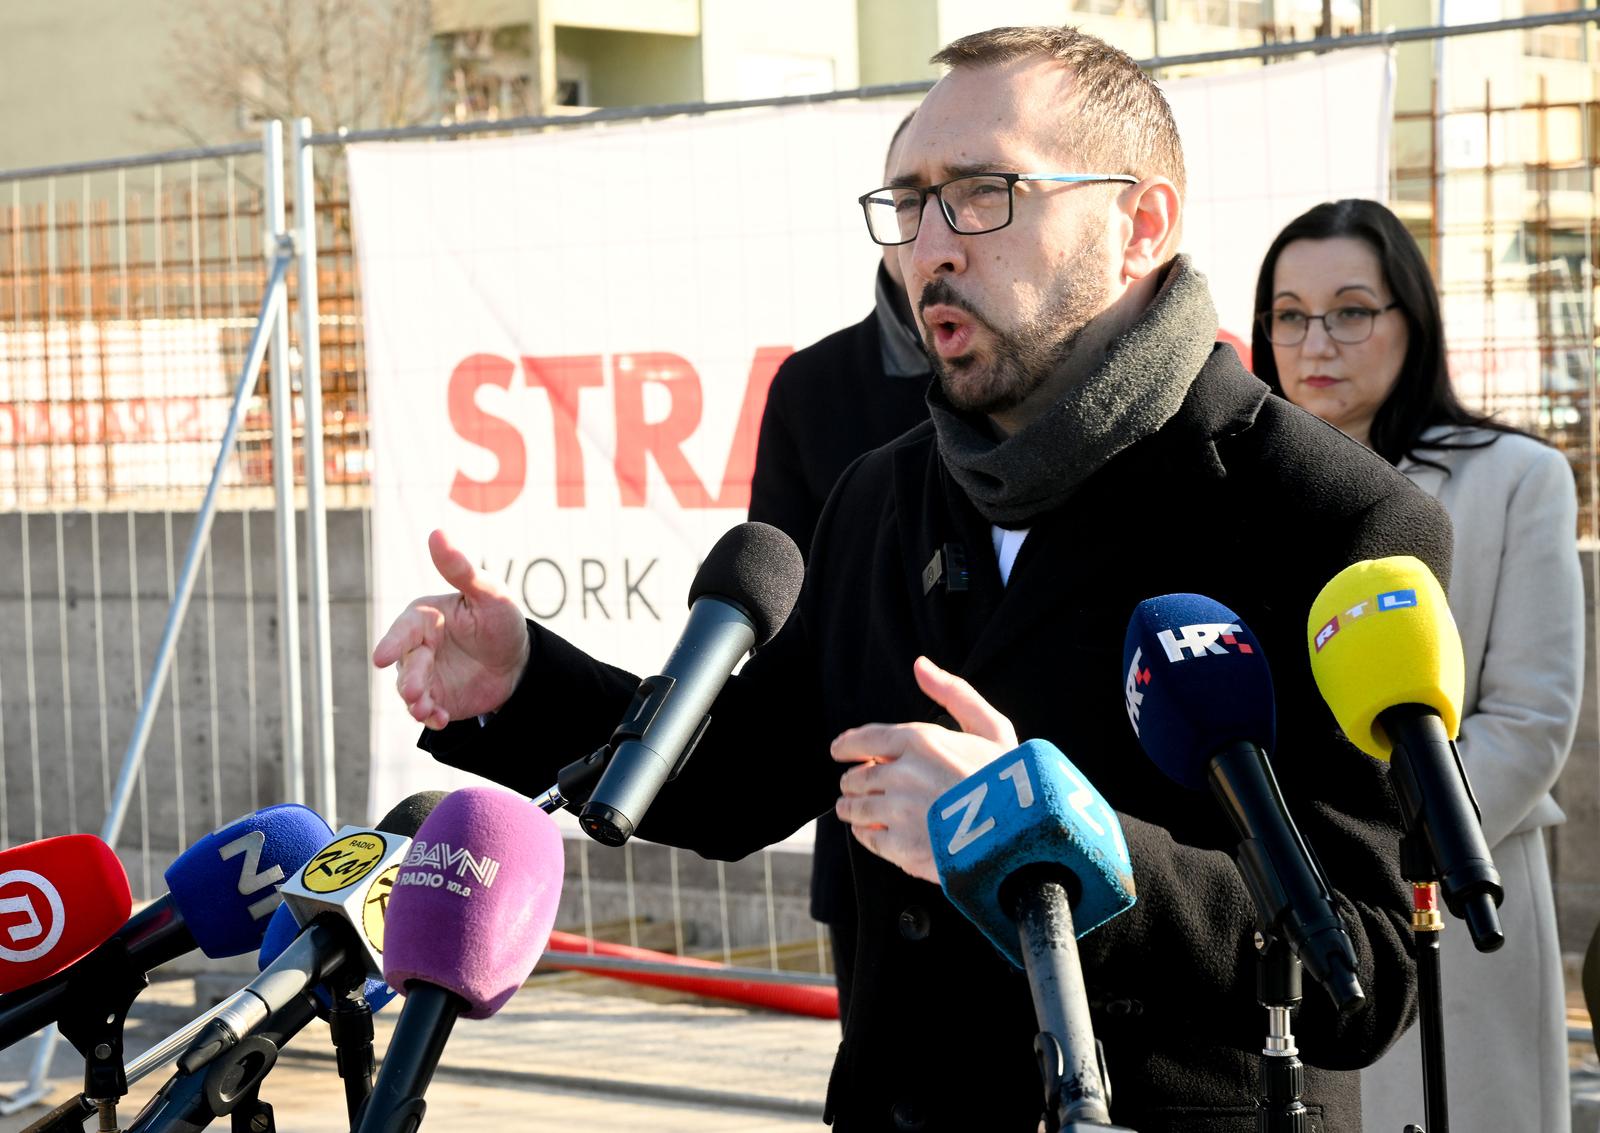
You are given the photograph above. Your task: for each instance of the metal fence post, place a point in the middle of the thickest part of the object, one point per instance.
(302, 156)
(273, 315)
(294, 774)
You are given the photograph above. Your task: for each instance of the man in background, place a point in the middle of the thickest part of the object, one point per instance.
(855, 390)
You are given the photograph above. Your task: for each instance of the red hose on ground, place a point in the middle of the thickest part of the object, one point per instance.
(795, 999)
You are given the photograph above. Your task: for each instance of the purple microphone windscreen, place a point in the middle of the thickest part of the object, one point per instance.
(476, 898)
(756, 567)
(1195, 681)
(281, 932)
(226, 884)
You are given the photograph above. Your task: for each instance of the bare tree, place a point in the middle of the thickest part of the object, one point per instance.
(353, 64)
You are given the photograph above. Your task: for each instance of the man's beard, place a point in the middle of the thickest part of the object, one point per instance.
(1021, 360)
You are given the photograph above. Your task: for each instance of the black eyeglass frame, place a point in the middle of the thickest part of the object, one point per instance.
(937, 191)
(1264, 318)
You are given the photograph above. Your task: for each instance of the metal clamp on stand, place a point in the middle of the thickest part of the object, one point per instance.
(1279, 1108)
(93, 1014)
(350, 1027)
(575, 782)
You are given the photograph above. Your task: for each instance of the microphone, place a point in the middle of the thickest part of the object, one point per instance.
(1199, 696)
(221, 891)
(60, 899)
(281, 932)
(339, 899)
(192, 1101)
(1387, 658)
(179, 1094)
(469, 917)
(1031, 853)
(740, 598)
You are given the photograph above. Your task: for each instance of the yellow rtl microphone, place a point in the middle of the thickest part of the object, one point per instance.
(1387, 658)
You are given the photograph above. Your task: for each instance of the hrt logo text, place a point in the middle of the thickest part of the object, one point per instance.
(1199, 640)
(1138, 674)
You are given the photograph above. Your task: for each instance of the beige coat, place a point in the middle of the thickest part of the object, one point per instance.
(1517, 595)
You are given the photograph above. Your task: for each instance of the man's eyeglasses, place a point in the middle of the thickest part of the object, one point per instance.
(975, 203)
(1348, 325)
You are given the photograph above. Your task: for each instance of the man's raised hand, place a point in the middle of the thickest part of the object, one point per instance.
(900, 769)
(459, 655)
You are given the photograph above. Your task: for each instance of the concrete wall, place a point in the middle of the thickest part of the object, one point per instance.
(76, 75)
(231, 754)
(219, 754)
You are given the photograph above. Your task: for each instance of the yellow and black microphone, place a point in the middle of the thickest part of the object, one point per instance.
(1387, 658)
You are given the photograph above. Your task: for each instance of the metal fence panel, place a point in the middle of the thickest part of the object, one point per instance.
(127, 293)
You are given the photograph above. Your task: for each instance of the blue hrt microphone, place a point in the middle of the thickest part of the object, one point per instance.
(1032, 854)
(1199, 696)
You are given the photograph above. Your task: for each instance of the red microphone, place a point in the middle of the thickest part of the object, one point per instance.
(60, 899)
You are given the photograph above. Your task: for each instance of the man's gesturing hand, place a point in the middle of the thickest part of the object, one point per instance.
(901, 768)
(460, 654)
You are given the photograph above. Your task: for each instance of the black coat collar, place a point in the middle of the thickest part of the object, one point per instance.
(966, 630)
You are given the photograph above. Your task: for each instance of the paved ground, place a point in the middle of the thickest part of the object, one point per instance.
(558, 1056)
(576, 1052)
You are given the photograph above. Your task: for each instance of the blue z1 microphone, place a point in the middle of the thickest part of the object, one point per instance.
(1031, 853)
(1199, 697)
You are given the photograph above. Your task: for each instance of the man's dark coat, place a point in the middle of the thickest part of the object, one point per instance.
(1241, 497)
(829, 403)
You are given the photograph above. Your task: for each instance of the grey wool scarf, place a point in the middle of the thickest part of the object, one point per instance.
(1135, 389)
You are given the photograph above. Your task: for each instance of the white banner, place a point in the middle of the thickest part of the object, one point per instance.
(569, 341)
(1264, 145)
(569, 336)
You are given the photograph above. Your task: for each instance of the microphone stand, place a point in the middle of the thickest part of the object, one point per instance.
(1076, 1094)
(94, 1011)
(230, 1084)
(1279, 1108)
(1427, 925)
(350, 1026)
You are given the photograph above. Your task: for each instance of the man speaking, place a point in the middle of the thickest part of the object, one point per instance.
(1090, 446)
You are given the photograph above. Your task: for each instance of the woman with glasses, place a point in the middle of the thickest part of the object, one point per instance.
(1348, 327)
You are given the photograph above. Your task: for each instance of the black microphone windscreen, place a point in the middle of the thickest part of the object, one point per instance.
(758, 568)
(406, 815)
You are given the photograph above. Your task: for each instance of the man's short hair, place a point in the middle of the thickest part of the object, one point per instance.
(894, 140)
(1120, 121)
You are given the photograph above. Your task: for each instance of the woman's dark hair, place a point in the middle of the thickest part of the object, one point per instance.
(1422, 396)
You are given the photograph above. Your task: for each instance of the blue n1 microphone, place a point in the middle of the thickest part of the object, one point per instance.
(227, 883)
(1199, 696)
(1031, 854)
